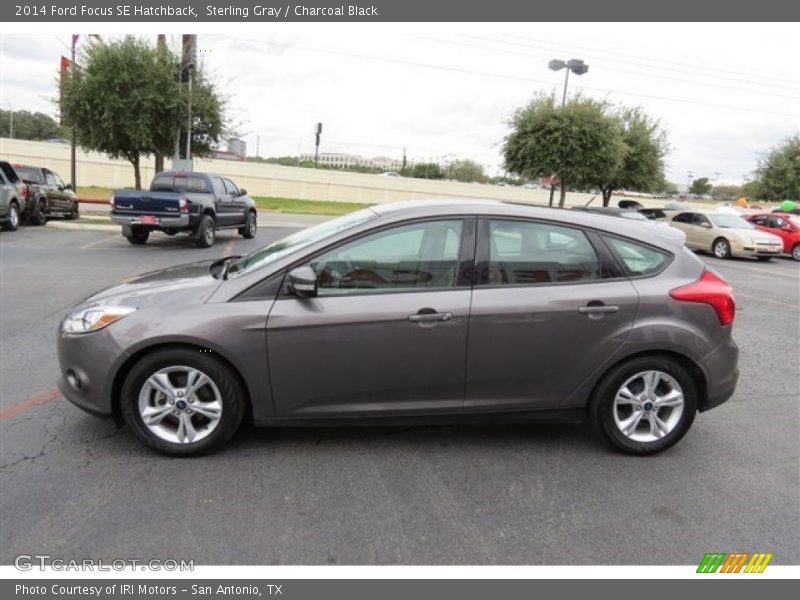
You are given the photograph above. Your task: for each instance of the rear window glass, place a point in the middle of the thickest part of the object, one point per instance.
(8, 171)
(179, 184)
(638, 259)
(30, 174)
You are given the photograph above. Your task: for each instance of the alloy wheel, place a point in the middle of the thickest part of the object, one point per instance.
(721, 249)
(180, 404)
(796, 252)
(13, 217)
(648, 406)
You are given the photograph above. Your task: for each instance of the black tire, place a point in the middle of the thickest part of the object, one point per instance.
(721, 248)
(231, 391)
(796, 252)
(602, 410)
(764, 258)
(205, 234)
(250, 228)
(74, 212)
(138, 236)
(12, 221)
(39, 214)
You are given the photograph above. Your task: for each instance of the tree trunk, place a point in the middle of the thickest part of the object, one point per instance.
(563, 197)
(137, 174)
(159, 162)
(607, 191)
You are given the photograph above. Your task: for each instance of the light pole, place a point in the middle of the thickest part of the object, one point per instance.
(576, 66)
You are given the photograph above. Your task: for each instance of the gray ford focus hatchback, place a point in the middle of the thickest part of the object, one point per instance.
(434, 311)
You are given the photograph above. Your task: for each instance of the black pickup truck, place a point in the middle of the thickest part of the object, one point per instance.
(197, 203)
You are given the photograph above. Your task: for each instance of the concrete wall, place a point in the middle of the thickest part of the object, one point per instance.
(271, 180)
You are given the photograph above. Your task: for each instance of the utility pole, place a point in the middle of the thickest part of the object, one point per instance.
(74, 142)
(184, 150)
(316, 147)
(689, 181)
(258, 146)
(161, 45)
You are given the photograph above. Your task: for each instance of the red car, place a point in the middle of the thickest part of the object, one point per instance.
(784, 225)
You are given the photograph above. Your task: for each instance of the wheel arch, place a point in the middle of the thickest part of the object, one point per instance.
(125, 368)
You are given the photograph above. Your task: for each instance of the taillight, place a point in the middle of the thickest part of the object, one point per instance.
(712, 290)
(183, 204)
(25, 191)
(111, 201)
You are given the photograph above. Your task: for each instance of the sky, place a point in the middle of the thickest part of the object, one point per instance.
(725, 93)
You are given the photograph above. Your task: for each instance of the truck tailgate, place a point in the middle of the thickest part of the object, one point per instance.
(147, 203)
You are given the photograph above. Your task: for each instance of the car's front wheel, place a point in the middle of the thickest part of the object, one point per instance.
(74, 212)
(721, 248)
(39, 214)
(645, 405)
(796, 252)
(182, 402)
(248, 232)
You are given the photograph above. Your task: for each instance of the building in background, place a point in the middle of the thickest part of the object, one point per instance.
(340, 160)
(237, 150)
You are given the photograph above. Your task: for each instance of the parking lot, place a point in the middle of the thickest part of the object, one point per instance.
(74, 486)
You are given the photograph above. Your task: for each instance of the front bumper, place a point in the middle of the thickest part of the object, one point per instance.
(754, 250)
(162, 223)
(721, 368)
(87, 364)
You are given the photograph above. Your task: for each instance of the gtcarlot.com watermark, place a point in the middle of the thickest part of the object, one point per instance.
(43, 562)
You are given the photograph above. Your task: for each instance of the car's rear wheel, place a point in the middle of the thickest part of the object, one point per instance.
(721, 248)
(39, 214)
(12, 222)
(645, 405)
(74, 212)
(250, 227)
(796, 252)
(206, 232)
(138, 236)
(182, 402)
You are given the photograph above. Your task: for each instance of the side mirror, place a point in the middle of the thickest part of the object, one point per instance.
(303, 282)
(243, 192)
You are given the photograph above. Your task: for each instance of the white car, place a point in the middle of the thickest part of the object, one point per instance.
(725, 235)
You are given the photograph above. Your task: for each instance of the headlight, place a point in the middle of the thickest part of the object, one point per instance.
(94, 318)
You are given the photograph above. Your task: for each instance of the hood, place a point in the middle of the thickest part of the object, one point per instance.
(181, 285)
(754, 234)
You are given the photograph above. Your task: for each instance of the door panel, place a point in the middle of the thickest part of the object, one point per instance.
(543, 319)
(348, 355)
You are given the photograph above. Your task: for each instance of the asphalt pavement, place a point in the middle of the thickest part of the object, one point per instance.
(73, 486)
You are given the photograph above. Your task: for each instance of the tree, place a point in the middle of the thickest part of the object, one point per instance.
(645, 146)
(466, 170)
(700, 186)
(778, 173)
(577, 143)
(126, 101)
(28, 125)
(727, 192)
(424, 171)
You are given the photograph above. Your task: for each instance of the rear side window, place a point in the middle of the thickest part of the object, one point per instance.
(638, 259)
(527, 253)
(168, 183)
(683, 218)
(8, 171)
(30, 174)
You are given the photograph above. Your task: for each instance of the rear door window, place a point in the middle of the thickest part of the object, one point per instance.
(638, 259)
(527, 253)
(218, 187)
(683, 218)
(231, 188)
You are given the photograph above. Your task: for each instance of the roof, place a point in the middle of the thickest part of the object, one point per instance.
(645, 231)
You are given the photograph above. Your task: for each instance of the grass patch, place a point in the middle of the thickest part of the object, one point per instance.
(93, 192)
(309, 207)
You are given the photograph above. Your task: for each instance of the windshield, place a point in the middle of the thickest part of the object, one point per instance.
(30, 174)
(296, 241)
(730, 222)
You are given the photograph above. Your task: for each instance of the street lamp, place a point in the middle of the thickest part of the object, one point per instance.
(573, 65)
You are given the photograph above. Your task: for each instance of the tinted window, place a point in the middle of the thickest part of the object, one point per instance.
(57, 179)
(760, 219)
(162, 183)
(180, 183)
(699, 219)
(683, 218)
(419, 255)
(219, 188)
(230, 188)
(638, 258)
(522, 252)
(8, 171)
(30, 174)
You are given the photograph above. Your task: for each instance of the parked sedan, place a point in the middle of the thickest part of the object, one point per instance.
(418, 312)
(784, 225)
(726, 234)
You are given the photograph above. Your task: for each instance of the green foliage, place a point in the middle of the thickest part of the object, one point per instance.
(700, 186)
(577, 143)
(778, 173)
(29, 125)
(424, 171)
(727, 192)
(644, 148)
(466, 170)
(126, 101)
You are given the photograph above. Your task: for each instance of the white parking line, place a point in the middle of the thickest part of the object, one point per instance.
(98, 242)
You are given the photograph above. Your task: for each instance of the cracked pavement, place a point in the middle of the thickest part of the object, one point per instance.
(75, 486)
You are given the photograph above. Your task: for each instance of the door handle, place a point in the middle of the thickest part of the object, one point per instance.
(430, 317)
(597, 308)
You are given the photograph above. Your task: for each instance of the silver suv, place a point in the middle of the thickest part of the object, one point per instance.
(421, 311)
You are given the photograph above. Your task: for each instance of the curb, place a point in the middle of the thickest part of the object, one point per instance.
(82, 226)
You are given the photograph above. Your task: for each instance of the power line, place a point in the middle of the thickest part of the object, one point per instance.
(639, 73)
(550, 45)
(512, 77)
